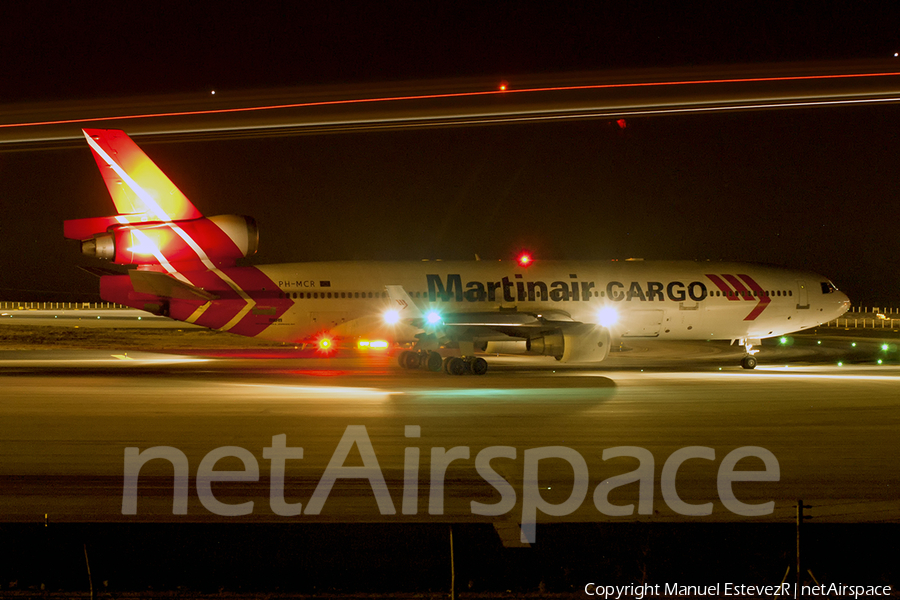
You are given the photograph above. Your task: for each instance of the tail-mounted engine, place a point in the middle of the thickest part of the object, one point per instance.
(186, 245)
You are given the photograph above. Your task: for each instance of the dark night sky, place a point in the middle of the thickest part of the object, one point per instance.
(810, 188)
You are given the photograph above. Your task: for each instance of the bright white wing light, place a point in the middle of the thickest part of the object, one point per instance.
(607, 316)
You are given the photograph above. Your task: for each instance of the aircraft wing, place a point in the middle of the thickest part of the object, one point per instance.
(407, 311)
(553, 332)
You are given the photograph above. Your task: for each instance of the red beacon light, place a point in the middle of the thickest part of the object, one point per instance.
(324, 343)
(524, 259)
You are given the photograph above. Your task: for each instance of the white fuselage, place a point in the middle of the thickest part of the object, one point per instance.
(679, 300)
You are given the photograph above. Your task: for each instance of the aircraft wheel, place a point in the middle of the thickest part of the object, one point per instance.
(478, 366)
(456, 366)
(434, 362)
(749, 362)
(409, 359)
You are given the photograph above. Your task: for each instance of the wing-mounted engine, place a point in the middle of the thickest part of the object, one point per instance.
(582, 342)
(185, 245)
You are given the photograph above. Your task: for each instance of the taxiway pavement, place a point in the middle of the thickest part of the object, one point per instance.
(69, 416)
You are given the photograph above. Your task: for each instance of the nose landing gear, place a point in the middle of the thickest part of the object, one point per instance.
(749, 361)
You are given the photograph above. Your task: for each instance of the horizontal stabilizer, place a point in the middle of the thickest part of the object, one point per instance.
(100, 271)
(166, 286)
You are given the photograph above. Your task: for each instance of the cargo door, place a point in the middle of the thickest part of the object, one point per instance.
(642, 323)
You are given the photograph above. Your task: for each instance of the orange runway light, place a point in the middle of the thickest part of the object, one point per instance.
(372, 344)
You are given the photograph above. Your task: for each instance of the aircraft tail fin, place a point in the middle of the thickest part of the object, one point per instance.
(137, 186)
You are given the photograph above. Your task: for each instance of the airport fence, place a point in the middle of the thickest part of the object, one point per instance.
(11, 305)
(866, 317)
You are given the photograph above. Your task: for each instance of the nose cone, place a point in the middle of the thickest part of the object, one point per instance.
(842, 304)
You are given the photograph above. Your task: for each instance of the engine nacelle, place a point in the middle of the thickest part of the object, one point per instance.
(506, 347)
(220, 240)
(101, 246)
(549, 344)
(580, 343)
(586, 343)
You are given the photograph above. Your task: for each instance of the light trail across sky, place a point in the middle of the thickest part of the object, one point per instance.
(503, 90)
(689, 94)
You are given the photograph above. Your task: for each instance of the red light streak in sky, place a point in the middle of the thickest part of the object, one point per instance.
(503, 90)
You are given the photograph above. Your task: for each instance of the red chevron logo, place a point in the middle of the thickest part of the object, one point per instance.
(734, 288)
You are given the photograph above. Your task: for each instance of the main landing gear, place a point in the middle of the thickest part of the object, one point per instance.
(432, 361)
(463, 365)
(421, 359)
(749, 361)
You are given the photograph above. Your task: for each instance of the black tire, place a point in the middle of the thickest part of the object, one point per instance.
(401, 359)
(749, 362)
(456, 366)
(434, 362)
(410, 360)
(478, 366)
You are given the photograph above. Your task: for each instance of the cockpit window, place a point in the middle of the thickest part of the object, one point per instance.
(828, 287)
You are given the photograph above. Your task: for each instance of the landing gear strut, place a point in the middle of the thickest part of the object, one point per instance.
(749, 361)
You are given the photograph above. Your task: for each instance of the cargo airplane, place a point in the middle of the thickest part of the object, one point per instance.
(184, 265)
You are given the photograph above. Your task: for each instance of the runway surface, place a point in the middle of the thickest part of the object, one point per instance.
(68, 416)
